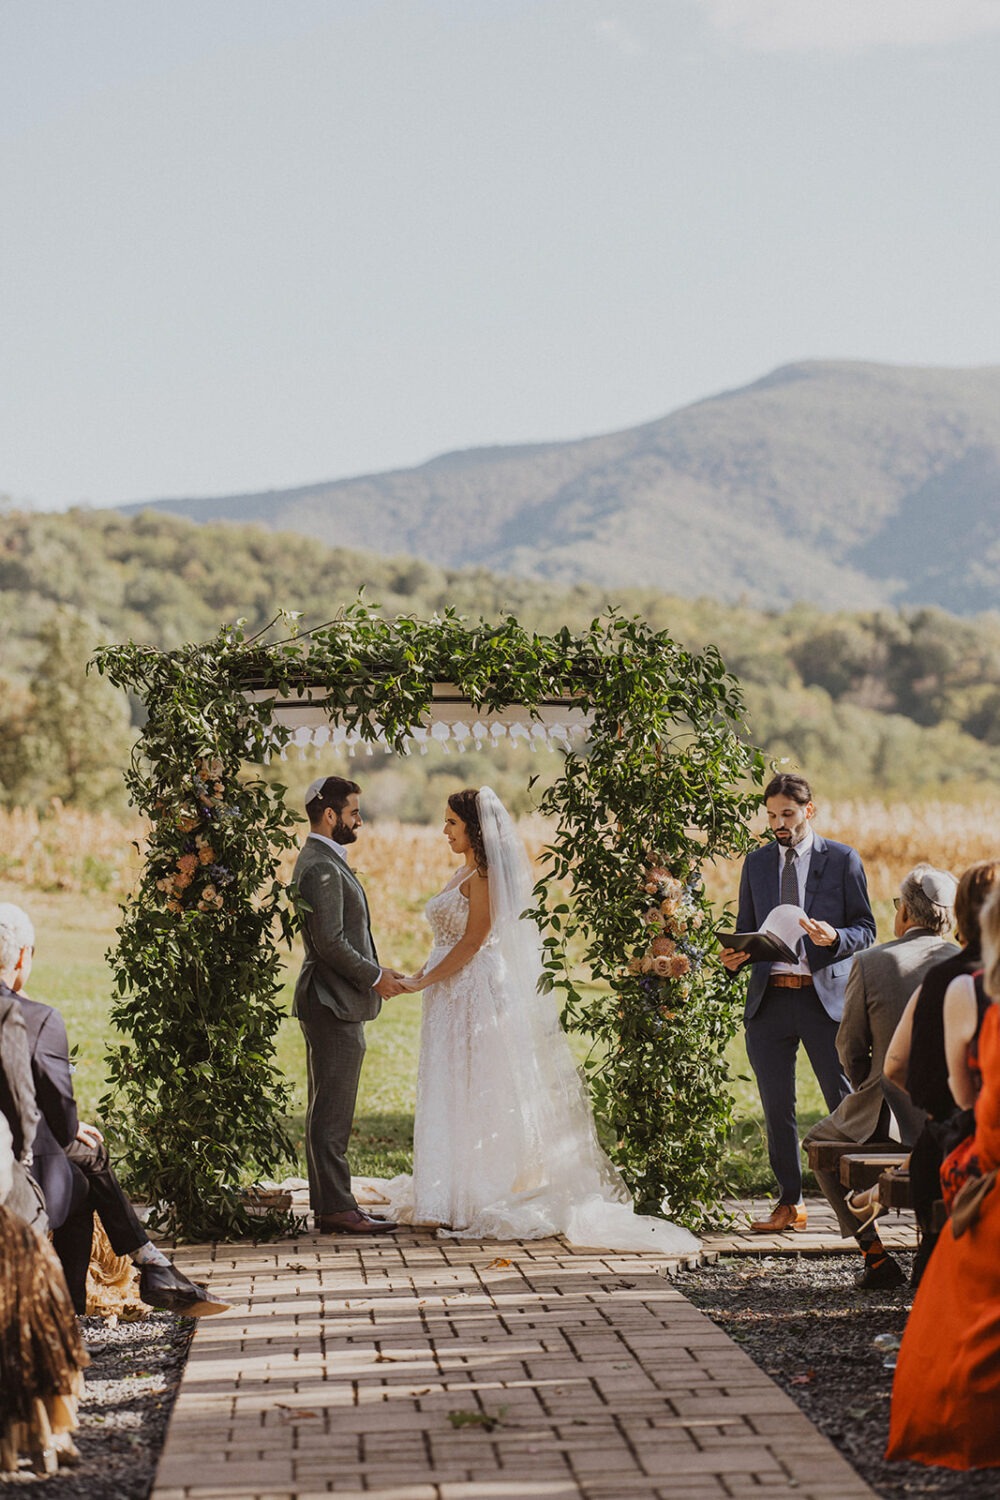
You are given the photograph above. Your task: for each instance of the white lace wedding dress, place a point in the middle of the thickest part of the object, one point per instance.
(504, 1143)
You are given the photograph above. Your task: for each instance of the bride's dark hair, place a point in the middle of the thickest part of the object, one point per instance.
(465, 806)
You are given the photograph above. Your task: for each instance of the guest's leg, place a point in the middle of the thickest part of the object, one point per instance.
(831, 1186)
(107, 1200)
(772, 1043)
(336, 1053)
(829, 1179)
(73, 1239)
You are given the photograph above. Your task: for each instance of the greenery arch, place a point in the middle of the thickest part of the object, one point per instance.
(195, 1101)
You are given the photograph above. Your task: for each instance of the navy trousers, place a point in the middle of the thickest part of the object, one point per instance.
(785, 1018)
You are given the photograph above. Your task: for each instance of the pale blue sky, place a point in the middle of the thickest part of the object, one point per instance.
(254, 243)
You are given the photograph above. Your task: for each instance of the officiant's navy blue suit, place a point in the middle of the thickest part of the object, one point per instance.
(777, 1020)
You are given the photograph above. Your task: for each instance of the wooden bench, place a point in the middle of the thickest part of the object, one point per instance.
(863, 1169)
(825, 1156)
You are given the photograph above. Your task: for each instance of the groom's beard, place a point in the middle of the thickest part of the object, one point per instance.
(341, 834)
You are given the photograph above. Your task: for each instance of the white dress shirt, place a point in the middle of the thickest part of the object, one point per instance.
(803, 854)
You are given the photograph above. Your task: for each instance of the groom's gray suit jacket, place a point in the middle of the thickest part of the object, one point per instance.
(340, 964)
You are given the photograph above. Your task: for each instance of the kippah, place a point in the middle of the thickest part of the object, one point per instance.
(938, 886)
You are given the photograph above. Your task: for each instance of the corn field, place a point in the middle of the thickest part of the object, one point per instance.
(402, 864)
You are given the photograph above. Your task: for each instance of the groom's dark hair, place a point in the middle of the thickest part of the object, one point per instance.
(332, 792)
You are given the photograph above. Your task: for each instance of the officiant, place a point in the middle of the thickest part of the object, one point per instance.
(800, 999)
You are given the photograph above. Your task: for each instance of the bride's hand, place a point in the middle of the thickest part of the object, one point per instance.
(411, 983)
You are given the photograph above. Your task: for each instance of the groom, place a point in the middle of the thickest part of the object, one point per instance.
(341, 986)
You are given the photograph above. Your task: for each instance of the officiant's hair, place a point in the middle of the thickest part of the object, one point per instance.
(465, 804)
(333, 792)
(788, 785)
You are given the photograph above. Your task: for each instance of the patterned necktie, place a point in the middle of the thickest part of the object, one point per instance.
(789, 880)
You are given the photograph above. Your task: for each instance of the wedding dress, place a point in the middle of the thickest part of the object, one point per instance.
(504, 1141)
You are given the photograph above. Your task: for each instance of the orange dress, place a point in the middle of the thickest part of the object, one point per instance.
(946, 1393)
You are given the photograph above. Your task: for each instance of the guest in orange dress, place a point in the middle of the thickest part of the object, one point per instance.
(946, 1393)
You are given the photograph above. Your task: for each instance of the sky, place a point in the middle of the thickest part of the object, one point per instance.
(250, 244)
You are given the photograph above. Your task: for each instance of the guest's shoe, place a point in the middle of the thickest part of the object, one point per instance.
(168, 1289)
(353, 1221)
(881, 1273)
(783, 1216)
(865, 1205)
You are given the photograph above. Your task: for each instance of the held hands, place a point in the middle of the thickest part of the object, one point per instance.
(821, 933)
(412, 983)
(389, 983)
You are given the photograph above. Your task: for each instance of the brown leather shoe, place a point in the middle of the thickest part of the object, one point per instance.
(353, 1221)
(784, 1216)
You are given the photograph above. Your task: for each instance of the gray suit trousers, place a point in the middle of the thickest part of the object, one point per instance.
(335, 1051)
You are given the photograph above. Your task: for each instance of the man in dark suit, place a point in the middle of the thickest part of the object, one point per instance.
(340, 987)
(70, 1160)
(801, 1000)
(880, 983)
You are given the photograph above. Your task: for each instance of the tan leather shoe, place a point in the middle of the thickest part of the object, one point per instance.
(784, 1216)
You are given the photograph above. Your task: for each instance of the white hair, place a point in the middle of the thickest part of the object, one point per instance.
(16, 932)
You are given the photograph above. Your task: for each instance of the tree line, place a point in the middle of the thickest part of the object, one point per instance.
(894, 702)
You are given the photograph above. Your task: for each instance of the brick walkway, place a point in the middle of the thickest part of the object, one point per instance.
(413, 1368)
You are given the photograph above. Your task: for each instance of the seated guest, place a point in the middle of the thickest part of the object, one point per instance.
(41, 1353)
(881, 981)
(71, 1163)
(916, 1061)
(946, 1392)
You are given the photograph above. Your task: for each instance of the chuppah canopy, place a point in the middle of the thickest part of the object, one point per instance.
(198, 1106)
(451, 721)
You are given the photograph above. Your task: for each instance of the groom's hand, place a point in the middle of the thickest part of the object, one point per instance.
(388, 984)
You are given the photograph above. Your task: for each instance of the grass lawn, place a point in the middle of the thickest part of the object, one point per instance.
(74, 933)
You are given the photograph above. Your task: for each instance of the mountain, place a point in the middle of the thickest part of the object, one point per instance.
(851, 485)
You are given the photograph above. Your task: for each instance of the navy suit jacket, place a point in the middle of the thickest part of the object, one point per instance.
(50, 1068)
(836, 892)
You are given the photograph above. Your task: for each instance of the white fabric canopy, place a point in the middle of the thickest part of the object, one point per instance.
(451, 722)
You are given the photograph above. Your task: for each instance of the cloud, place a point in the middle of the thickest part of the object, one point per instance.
(613, 31)
(850, 25)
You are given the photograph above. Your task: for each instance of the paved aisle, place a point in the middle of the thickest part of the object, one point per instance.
(412, 1368)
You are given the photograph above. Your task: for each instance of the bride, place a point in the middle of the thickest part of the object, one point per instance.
(504, 1141)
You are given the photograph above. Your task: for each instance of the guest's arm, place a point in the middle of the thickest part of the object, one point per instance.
(854, 1034)
(897, 1057)
(50, 1067)
(961, 1017)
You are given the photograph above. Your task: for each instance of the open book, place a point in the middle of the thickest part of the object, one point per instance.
(779, 938)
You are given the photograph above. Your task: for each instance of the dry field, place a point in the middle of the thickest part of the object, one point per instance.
(86, 853)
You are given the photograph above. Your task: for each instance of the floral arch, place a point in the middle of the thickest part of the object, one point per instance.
(656, 780)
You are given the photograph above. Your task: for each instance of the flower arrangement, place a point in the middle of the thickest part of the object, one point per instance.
(674, 953)
(191, 876)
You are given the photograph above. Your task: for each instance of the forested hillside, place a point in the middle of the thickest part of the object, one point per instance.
(852, 485)
(898, 702)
